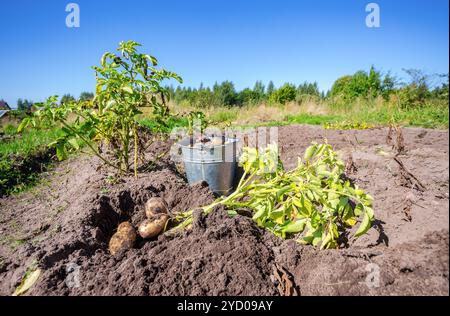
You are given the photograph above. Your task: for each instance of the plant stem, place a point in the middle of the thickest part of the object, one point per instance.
(90, 146)
(135, 151)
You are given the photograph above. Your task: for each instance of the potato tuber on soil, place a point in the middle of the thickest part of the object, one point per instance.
(123, 239)
(153, 226)
(155, 206)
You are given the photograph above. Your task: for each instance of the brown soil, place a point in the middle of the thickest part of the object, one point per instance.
(69, 218)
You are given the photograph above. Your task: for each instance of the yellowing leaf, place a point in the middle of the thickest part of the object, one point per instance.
(27, 282)
(309, 152)
(127, 89)
(74, 143)
(328, 237)
(350, 221)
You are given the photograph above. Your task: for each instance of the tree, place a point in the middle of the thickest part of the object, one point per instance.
(418, 81)
(270, 88)
(308, 89)
(374, 83)
(20, 104)
(361, 84)
(442, 90)
(247, 97)
(259, 91)
(284, 94)
(416, 90)
(340, 86)
(226, 93)
(388, 85)
(86, 96)
(24, 105)
(67, 98)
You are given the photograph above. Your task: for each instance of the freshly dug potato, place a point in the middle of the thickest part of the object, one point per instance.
(216, 141)
(153, 226)
(127, 228)
(154, 206)
(123, 239)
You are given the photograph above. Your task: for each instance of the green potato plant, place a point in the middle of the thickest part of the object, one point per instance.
(312, 202)
(125, 82)
(196, 117)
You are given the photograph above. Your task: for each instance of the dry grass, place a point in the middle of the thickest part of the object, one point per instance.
(433, 114)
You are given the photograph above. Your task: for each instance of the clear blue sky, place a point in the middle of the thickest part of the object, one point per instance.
(208, 41)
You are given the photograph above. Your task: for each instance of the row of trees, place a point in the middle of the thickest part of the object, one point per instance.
(417, 89)
(225, 94)
(26, 105)
(363, 84)
(84, 96)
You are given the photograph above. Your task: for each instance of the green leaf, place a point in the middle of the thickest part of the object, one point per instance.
(61, 152)
(152, 59)
(74, 143)
(103, 59)
(295, 227)
(23, 124)
(260, 213)
(366, 223)
(110, 104)
(282, 191)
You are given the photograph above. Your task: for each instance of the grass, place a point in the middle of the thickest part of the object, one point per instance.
(225, 115)
(27, 142)
(377, 112)
(428, 116)
(171, 124)
(17, 152)
(11, 242)
(432, 114)
(311, 119)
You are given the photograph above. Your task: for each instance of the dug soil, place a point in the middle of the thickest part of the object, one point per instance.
(63, 226)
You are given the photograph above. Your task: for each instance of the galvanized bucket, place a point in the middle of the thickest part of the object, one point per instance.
(215, 164)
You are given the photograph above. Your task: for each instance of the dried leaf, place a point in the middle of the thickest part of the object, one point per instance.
(27, 282)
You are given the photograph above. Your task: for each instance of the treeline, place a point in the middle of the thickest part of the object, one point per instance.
(225, 94)
(417, 89)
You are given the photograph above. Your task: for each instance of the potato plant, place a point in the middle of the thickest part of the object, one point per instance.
(125, 82)
(312, 202)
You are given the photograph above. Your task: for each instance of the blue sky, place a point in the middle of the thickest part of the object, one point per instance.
(208, 41)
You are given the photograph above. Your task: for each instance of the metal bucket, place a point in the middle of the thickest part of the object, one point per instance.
(215, 164)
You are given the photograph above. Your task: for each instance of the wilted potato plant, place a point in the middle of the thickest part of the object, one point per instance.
(125, 82)
(312, 202)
